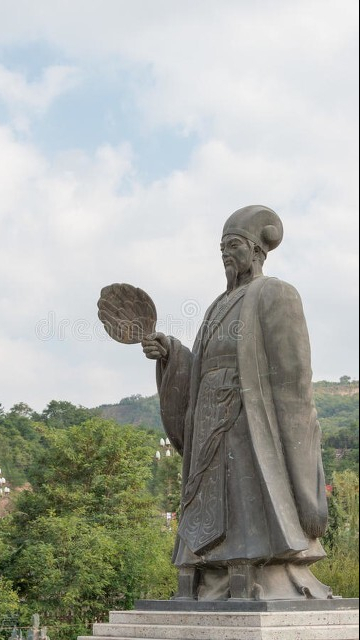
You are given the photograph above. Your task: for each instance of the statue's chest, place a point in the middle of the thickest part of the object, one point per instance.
(223, 335)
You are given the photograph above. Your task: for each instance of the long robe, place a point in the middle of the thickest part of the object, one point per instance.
(240, 410)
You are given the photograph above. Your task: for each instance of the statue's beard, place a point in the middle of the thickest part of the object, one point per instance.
(231, 277)
(234, 278)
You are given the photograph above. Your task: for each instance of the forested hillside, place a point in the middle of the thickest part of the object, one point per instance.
(338, 411)
(337, 404)
(84, 528)
(135, 410)
(22, 430)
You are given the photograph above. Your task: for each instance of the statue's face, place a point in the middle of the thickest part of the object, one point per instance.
(237, 254)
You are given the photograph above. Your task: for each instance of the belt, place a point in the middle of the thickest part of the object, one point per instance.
(218, 362)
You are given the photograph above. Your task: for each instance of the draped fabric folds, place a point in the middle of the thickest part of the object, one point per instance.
(270, 417)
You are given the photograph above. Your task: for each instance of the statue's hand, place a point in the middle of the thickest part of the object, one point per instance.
(156, 346)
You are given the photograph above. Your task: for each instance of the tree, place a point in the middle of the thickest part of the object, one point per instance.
(9, 600)
(61, 414)
(135, 409)
(340, 570)
(21, 409)
(88, 536)
(19, 437)
(94, 467)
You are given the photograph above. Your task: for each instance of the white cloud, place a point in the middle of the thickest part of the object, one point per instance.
(39, 94)
(269, 90)
(26, 99)
(76, 230)
(208, 59)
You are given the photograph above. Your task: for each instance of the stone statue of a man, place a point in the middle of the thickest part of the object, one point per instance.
(239, 409)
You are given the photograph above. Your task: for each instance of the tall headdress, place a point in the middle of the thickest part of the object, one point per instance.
(258, 224)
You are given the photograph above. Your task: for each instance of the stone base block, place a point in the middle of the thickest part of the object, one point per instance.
(246, 606)
(326, 624)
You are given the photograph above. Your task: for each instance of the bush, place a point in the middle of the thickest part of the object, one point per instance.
(340, 570)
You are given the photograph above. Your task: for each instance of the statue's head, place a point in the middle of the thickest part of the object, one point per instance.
(259, 224)
(247, 237)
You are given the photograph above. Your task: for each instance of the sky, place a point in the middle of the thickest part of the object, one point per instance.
(129, 132)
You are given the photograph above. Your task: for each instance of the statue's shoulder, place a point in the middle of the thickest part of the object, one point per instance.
(274, 287)
(278, 294)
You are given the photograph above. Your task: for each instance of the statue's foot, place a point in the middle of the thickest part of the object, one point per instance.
(187, 584)
(287, 581)
(306, 583)
(214, 584)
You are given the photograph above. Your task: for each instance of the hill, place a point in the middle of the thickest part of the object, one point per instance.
(345, 387)
(338, 411)
(337, 405)
(22, 430)
(136, 410)
(338, 400)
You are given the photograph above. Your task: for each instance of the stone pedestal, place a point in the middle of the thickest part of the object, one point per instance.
(231, 620)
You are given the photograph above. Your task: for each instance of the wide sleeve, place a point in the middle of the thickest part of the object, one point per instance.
(173, 382)
(287, 350)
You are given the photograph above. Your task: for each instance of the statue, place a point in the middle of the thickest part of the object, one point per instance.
(239, 408)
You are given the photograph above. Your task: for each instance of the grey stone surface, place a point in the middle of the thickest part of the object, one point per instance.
(290, 625)
(127, 313)
(239, 408)
(248, 606)
(237, 619)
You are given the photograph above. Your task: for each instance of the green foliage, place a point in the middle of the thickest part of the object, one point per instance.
(62, 414)
(89, 533)
(23, 433)
(336, 402)
(344, 381)
(87, 537)
(92, 467)
(9, 600)
(65, 567)
(135, 409)
(338, 411)
(345, 407)
(341, 572)
(19, 438)
(340, 569)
